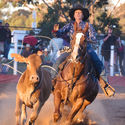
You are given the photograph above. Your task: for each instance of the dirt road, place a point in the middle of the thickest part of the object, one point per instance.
(103, 111)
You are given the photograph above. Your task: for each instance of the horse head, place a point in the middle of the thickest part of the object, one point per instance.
(78, 43)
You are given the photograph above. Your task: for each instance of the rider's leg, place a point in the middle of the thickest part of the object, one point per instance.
(108, 90)
(59, 60)
(98, 65)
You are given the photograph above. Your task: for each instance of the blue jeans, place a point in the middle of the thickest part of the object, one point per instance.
(6, 49)
(98, 65)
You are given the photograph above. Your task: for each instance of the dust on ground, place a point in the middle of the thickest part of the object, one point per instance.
(103, 111)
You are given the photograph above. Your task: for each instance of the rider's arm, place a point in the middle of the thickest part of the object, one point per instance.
(106, 37)
(63, 30)
(92, 34)
(50, 47)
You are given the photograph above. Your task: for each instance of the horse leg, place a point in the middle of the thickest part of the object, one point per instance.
(18, 109)
(57, 103)
(80, 116)
(76, 106)
(36, 109)
(23, 115)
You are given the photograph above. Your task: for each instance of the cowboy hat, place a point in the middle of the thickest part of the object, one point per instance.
(79, 7)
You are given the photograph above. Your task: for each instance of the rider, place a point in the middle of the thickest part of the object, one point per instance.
(55, 44)
(79, 15)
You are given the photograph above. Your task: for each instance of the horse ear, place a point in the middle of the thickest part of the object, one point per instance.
(86, 28)
(18, 57)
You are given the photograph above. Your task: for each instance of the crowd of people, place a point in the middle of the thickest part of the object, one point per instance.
(49, 53)
(5, 41)
(59, 40)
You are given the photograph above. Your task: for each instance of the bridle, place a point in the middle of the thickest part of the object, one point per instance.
(80, 49)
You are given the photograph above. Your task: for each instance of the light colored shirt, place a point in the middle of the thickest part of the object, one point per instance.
(55, 45)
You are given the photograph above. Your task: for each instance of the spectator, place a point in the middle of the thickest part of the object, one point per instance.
(2, 38)
(108, 40)
(46, 58)
(55, 44)
(7, 41)
(26, 52)
(120, 54)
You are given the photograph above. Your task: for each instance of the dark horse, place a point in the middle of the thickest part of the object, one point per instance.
(76, 83)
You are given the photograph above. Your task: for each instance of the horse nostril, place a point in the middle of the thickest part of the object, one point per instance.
(34, 78)
(37, 78)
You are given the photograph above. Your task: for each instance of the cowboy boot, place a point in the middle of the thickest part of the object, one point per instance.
(107, 89)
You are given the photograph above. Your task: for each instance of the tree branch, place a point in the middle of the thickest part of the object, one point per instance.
(92, 3)
(60, 6)
(47, 4)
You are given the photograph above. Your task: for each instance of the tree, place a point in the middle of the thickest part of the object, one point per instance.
(119, 12)
(58, 13)
(105, 18)
(20, 17)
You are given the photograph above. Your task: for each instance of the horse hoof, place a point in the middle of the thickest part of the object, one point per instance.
(56, 117)
(80, 120)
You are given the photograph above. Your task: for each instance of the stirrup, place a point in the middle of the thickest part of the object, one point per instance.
(108, 90)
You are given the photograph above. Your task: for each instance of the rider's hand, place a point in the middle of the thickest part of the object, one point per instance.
(56, 27)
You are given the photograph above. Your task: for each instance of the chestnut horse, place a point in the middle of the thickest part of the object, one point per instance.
(76, 83)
